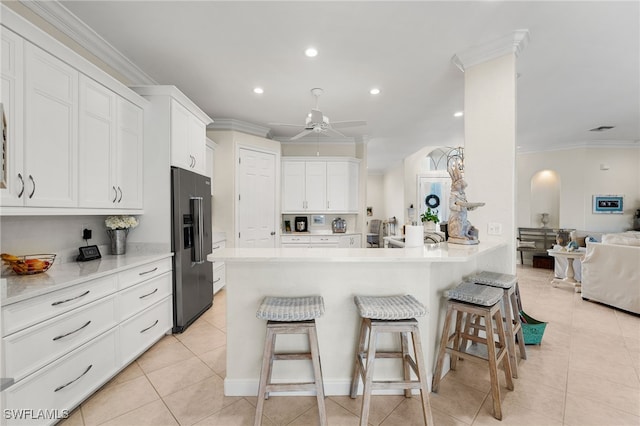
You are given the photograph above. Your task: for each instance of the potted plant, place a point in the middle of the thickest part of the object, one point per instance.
(430, 219)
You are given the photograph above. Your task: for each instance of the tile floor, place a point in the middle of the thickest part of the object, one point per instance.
(586, 372)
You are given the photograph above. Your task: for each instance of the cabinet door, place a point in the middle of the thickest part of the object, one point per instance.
(316, 186)
(96, 151)
(12, 179)
(197, 145)
(210, 161)
(129, 155)
(51, 130)
(180, 123)
(293, 186)
(353, 186)
(337, 186)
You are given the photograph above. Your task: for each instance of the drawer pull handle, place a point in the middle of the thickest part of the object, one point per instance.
(71, 332)
(77, 378)
(215, 248)
(148, 272)
(148, 294)
(69, 300)
(150, 327)
(215, 281)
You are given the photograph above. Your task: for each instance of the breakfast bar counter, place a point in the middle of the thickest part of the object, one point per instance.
(337, 275)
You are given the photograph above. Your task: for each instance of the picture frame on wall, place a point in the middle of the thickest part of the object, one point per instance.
(608, 204)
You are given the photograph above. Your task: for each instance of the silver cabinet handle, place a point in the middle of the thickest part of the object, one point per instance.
(215, 281)
(148, 294)
(34, 186)
(115, 194)
(69, 300)
(215, 248)
(148, 272)
(120, 190)
(71, 332)
(22, 188)
(150, 327)
(77, 378)
(194, 161)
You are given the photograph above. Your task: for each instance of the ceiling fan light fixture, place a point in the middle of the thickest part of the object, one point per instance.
(258, 90)
(374, 91)
(311, 52)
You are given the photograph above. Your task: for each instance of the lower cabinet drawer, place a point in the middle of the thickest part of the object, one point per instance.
(62, 385)
(219, 278)
(28, 350)
(141, 296)
(144, 329)
(143, 272)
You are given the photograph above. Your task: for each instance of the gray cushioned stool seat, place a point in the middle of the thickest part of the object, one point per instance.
(475, 293)
(291, 308)
(389, 307)
(494, 279)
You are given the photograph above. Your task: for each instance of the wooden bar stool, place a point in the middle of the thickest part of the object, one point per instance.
(390, 314)
(482, 301)
(512, 306)
(290, 315)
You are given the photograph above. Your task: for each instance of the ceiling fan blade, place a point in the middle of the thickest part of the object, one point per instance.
(334, 132)
(301, 134)
(286, 125)
(316, 116)
(343, 124)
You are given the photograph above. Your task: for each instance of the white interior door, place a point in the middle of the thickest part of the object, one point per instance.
(256, 199)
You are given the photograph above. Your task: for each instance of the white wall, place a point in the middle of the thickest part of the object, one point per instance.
(394, 203)
(581, 178)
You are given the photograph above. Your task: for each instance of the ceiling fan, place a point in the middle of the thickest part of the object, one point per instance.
(318, 123)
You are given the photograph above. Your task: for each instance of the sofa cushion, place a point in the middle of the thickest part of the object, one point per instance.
(622, 239)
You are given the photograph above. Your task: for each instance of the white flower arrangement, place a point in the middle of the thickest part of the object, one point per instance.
(121, 222)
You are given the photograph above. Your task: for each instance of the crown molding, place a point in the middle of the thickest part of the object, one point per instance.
(69, 24)
(240, 126)
(510, 43)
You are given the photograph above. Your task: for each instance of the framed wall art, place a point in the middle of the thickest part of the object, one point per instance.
(608, 204)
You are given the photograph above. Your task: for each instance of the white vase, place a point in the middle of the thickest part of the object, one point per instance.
(429, 226)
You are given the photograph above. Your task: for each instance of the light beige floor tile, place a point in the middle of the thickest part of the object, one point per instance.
(536, 397)
(458, 400)
(381, 405)
(284, 409)
(216, 360)
(203, 338)
(625, 374)
(615, 395)
(198, 401)
(588, 412)
(163, 354)
(152, 414)
(170, 379)
(74, 419)
(514, 414)
(336, 416)
(113, 401)
(132, 371)
(409, 413)
(240, 413)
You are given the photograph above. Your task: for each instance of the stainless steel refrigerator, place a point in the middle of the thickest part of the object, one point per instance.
(191, 243)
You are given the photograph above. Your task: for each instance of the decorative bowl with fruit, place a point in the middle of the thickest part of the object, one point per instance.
(28, 264)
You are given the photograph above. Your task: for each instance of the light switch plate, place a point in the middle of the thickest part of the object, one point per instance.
(494, 228)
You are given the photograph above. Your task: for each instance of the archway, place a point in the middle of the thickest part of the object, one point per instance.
(545, 198)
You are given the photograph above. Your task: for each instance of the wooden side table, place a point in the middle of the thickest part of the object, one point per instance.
(570, 273)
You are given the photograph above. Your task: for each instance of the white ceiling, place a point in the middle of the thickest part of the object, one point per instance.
(580, 69)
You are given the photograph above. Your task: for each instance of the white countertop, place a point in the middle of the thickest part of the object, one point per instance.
(443, 252)
(15, 288)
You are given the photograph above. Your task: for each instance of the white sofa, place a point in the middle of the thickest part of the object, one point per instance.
(611, 271)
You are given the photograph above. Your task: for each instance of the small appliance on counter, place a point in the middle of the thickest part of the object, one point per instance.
(339, 226)
(301, 224)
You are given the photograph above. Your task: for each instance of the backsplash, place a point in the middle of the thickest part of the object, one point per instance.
(61, 235)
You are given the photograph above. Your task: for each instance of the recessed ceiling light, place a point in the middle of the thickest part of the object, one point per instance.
(258, 90)
(311, 52)
(374, 91)
(458, 114)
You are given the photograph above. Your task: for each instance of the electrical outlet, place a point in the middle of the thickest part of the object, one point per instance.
(82, 228)
(494, 228)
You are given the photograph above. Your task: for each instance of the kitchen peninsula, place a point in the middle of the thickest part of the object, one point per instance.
(337, 275)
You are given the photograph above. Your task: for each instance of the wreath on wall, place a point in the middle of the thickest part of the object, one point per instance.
(432, 200)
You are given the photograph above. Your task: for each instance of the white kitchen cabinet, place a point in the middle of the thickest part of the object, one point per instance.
(310, 241)
(324, 241)
(188, 139)
(219, 270)
(319, 186)
(350, 241)
(210, 162)
(62, 346)
(110, 149)
(51, 130)
(12, 74)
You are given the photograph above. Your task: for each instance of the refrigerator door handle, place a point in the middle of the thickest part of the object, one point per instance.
(198, 228)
